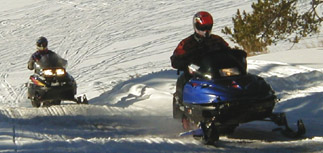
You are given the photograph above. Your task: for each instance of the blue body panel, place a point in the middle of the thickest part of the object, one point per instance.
(199, 91)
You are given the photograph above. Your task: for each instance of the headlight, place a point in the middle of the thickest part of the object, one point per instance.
(60, 72)
(48, 72)
(54, 72)
(229, 72)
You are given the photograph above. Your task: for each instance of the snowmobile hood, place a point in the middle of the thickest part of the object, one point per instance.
(240, 88)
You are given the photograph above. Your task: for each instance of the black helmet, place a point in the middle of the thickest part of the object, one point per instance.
(42, 43)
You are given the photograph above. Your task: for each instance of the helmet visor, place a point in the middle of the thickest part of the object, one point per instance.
(203, 27)
(41, 48)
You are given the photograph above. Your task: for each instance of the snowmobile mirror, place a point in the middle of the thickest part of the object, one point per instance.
(192, 68)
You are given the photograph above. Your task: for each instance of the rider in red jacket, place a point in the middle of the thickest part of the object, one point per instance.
(192, 49)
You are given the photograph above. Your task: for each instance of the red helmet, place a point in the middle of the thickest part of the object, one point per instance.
(202, 23)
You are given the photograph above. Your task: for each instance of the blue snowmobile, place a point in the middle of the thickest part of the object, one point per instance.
(221, 95)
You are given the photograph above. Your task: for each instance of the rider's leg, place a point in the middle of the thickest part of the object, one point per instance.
(182, 79)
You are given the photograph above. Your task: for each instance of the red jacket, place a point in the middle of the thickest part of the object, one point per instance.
(190, 51)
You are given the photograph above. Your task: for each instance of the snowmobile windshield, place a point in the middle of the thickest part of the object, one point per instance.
(51, 61)
(223, 64)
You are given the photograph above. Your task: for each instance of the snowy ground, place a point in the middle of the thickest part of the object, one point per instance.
(118, 52)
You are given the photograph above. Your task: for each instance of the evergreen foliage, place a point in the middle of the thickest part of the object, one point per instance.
(271, 21)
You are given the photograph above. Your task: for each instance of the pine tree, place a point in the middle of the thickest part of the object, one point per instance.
(271, 21)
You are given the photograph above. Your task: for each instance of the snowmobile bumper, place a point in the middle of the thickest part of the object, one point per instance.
(234, 112)
(43, 93)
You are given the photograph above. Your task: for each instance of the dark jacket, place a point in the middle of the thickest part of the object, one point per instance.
(37, 56)
(191, 50)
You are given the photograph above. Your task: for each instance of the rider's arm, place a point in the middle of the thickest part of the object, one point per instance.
(31, 63)
(178, 59)
(34, 58)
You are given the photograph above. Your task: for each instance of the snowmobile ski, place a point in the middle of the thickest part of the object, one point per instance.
(280, 120)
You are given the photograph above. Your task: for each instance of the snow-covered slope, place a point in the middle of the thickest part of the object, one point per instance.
(118, 52)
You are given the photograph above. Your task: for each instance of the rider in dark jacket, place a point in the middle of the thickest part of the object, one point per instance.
(42, 50)
(193, 48)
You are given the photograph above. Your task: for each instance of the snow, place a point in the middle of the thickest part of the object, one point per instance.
(118, 52)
